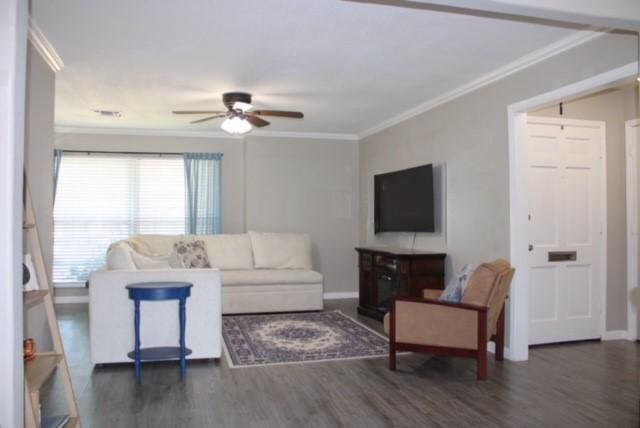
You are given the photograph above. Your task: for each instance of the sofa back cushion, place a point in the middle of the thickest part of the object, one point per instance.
(229, 251)
(281, 250)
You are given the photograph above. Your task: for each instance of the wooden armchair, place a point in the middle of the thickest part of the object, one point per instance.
(455, 329)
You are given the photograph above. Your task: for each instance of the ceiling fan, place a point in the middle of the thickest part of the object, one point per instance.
(240, 118)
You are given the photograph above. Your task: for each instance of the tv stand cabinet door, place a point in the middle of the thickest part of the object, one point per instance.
(426, 273)
(367, 290)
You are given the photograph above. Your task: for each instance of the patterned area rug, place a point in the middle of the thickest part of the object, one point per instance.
(256, 340)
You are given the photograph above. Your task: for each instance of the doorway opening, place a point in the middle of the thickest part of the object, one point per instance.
(519, 116)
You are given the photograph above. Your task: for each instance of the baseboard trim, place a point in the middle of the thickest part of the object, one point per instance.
(68, 300)
(615, 335)
(340, 295)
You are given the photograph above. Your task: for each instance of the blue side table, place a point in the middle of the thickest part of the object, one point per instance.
(155, 291)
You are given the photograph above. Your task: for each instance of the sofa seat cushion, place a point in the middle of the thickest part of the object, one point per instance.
(270, 276)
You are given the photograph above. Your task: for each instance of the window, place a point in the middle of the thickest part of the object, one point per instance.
(101, 198)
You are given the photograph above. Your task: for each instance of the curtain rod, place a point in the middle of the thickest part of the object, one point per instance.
(122, 153)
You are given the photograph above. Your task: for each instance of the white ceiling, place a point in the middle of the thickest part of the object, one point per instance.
(347, 66)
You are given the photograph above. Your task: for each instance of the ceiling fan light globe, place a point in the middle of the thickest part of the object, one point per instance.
(236, 126)
(239, 105)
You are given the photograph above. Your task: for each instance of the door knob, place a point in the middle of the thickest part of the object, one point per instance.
(530, 247)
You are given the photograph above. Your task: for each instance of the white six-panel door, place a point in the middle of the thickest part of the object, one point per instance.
(566, 208)
(632, 135)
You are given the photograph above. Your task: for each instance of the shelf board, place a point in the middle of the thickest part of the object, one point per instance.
(32, 298)
(72, 423)
(56, 421)
(40, 368)
(28, 225)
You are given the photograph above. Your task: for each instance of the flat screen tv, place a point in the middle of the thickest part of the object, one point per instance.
(404, 200)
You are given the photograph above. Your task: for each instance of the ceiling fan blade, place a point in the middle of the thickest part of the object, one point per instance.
(198, 112)
(256, 121)
(215, 116)
(280, 113)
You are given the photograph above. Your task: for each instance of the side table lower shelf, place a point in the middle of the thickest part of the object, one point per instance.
(159, 353)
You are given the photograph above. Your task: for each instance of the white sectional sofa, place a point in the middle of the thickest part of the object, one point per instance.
(250, 273)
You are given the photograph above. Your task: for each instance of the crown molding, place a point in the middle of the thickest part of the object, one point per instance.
(201, 134)
(513, 67)
(142, 132)
(307, 135)
(44, 47)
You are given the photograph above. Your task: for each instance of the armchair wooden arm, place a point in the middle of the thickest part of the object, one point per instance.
(426, 300)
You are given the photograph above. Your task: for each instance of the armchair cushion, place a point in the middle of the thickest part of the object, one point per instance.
(431, 294)
(481, 285)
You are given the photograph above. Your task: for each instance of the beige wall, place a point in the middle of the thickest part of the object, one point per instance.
(308, 186)
(609, 107)
(296, 185)
(470, 136)
(39, 133)
(39, 130)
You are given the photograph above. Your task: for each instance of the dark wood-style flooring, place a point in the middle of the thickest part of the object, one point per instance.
(570, 385)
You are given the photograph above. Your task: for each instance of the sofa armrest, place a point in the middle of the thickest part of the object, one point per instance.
(434, 323)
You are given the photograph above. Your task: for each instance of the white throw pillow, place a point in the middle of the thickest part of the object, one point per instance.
(281, 250)
(119, 257)
(144, 262)
(229, 251)
(157, 245)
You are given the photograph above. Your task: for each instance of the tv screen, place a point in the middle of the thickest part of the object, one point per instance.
(404, 200)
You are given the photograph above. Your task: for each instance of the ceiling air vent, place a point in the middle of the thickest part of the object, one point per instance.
(108, 113)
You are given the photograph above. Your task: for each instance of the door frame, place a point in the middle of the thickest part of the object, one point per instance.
(632, 225)
(518, 198)
(602, 183)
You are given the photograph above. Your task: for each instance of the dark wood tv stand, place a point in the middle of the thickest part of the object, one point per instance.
(388, 272)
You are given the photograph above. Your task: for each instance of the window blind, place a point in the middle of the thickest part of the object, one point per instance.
(102, 198)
